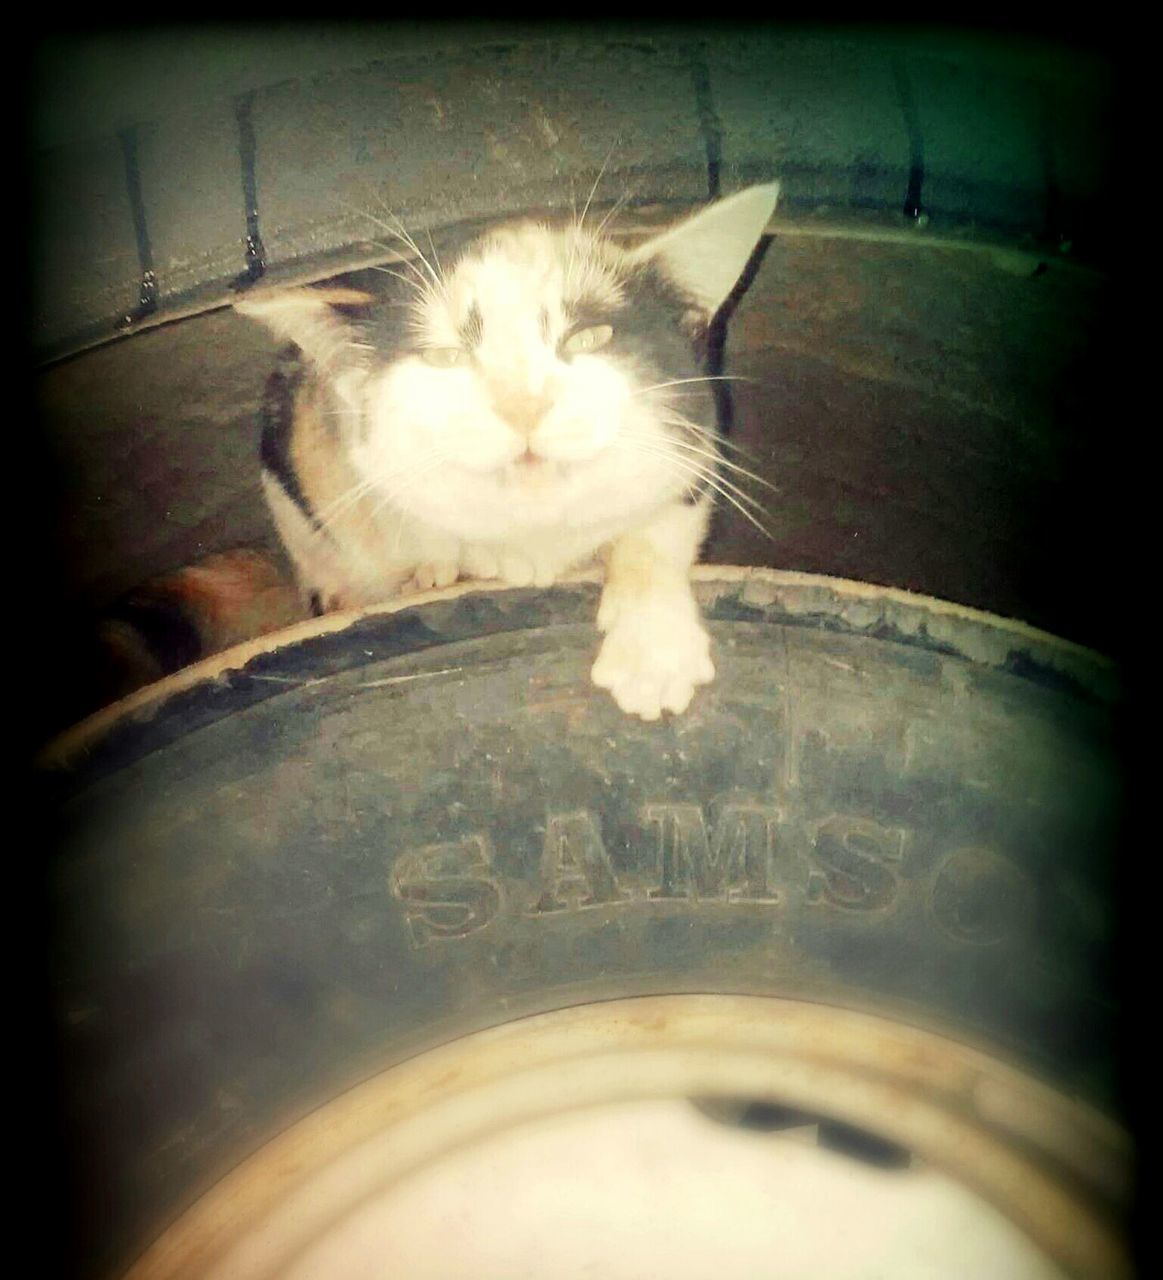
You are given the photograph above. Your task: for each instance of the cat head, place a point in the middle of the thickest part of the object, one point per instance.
(548, 374)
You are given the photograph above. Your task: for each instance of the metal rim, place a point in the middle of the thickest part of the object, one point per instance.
(1057, 1169)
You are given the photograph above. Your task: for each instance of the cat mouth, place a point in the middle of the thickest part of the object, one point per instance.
(533, 467)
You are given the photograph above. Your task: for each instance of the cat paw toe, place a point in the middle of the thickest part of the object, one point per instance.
(437, 573)
(479, 563)
(517, 571)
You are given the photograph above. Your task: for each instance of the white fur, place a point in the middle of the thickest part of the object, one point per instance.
(519, 463)
(447, 444)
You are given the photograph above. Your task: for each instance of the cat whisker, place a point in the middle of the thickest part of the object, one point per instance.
(679, 382)
(384, 492)
(711, 435)
(397, 229)
(593, 190)
(429, 283)
(690, 466)
(716, 483)
(393, 483)
(417, 282)
(387, 271)
(742, 509)
(691, 461)
(394, 532)
(390, 483)
(395, 226)
(743, 472)
(613, 211)
(724, 485)
(435, 256)
(393, 486)
(436, 276)
(713, 452)
(328, 515)
(728, 482)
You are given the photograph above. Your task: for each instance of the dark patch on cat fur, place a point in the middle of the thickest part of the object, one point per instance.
(278, 421)
(716, 335)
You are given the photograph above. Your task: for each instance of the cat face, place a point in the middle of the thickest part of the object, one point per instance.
(548, 376)
(536, 388)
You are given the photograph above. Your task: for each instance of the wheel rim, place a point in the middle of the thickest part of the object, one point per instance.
(1057, 1169)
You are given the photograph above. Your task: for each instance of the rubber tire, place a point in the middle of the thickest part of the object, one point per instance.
(291, 868)
(172, 168)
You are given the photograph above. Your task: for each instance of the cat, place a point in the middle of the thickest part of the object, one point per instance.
(538, 405)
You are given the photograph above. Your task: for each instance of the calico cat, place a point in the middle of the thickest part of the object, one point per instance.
(536, 406)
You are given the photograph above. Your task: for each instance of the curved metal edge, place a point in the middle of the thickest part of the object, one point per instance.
(1057, 1169)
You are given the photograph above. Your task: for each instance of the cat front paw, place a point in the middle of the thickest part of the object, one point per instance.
(655, 654)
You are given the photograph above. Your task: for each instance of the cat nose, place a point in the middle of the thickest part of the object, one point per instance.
(522, 410)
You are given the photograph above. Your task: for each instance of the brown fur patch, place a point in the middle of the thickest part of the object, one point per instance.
(234, 596)
(179, 617)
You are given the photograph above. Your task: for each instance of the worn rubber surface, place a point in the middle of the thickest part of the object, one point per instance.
(171, 167)
(324, 856)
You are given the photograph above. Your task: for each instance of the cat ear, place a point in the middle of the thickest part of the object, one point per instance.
(307, 318)
(705, 254)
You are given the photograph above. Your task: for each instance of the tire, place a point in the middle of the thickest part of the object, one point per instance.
(279, 878)
(171, 169)
(306, 861)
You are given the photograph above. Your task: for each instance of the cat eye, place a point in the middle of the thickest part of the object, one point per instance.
(442, 357)
(584, 340)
